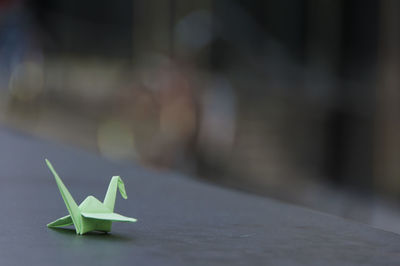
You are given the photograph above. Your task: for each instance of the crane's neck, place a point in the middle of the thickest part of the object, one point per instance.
(109, 199)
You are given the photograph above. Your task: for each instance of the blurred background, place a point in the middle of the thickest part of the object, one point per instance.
(297, 100)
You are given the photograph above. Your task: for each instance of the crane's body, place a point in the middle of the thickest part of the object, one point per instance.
(91, 214)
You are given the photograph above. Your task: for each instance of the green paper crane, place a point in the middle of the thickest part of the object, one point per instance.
(91, 214)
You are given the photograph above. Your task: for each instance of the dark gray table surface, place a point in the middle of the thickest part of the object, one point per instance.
(182, 221)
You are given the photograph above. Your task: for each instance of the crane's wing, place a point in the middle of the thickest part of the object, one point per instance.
(63, 221)
(111, 216)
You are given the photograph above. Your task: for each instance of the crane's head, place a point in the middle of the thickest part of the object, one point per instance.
(121, 187)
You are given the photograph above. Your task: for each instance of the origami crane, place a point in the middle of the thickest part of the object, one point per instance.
(91, 214)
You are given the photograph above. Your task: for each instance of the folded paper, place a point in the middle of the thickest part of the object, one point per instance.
(91, 214)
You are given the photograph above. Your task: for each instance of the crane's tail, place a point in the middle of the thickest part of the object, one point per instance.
(68, 199)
